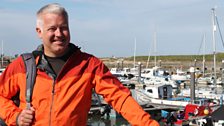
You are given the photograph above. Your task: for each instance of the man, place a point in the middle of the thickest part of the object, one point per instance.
(64, 82)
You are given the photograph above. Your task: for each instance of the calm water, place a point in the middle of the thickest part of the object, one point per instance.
(97, 120)
(114, 120)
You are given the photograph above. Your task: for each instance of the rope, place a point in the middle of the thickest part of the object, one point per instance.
(220, 31)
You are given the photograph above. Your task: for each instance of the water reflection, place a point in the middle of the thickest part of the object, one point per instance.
(97, 120)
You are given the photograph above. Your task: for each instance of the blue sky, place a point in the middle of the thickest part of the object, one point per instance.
(107, 28)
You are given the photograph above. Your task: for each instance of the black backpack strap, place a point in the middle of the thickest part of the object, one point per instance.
(30, 65)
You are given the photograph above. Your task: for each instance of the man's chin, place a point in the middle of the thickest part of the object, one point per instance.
(60, 51)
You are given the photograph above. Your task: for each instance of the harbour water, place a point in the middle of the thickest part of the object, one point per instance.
(112, 120)
(97, 120)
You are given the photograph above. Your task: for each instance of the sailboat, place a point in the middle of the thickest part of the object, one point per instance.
(215, 25)
(211, 92)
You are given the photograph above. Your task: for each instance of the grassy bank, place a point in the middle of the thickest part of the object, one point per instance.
(208, 57)
(170, 58)
(171, 62)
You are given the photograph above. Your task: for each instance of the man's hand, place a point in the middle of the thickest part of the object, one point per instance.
(25, 118)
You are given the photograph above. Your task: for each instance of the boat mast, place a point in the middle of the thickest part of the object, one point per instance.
(214, 42)
(147, 64)
(203, 62)
(134, 52)
(2, 54)
(155, 47)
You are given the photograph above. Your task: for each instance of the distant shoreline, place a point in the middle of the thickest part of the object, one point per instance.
(171, 62)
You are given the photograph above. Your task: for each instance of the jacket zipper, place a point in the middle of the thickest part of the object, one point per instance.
(52, 101)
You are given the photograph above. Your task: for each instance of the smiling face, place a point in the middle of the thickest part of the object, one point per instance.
(54, 33)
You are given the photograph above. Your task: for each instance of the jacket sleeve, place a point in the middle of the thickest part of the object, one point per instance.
(119, 97)
(8, 89)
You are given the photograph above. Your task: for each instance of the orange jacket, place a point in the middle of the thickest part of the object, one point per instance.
(66, 100)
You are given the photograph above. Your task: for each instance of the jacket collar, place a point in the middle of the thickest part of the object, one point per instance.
(43, 63)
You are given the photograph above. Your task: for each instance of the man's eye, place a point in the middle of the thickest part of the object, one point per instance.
(64, 28)
(51, 29)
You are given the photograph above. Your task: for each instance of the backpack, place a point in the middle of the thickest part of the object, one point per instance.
(30, 65)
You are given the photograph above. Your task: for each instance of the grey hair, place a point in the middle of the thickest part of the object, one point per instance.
(54, 8)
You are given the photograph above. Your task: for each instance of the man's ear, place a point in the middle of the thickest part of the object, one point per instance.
(39, 32)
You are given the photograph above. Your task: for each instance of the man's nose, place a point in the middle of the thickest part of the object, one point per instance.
(58, 32)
